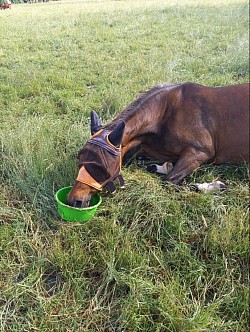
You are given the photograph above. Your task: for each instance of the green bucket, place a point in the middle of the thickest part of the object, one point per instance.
(70, 213)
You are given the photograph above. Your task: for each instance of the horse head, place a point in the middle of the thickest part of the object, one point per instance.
(99, 163)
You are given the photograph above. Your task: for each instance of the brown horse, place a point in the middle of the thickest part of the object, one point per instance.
(188, 124)
(5, 5)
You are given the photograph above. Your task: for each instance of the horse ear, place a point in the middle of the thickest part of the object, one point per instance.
(115, 137)
(96, 124)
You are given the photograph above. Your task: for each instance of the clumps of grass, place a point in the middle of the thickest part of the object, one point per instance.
(147, 261)
(156, 257)
(162, 241)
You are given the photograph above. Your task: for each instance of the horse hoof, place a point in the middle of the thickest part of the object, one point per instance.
(211, 186)
(222, 186)
(152, 168)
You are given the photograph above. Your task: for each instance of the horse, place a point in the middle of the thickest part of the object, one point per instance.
(5, 5)
(187, 124)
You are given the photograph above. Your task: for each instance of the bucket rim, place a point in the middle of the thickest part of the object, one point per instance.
(75, 208)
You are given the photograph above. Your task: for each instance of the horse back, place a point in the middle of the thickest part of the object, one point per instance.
(211, 118)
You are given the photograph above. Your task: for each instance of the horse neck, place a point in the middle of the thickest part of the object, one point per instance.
(143, 116)
(143, 122)
(146, 120)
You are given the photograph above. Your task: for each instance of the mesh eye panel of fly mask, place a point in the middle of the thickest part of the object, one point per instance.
(110, 166)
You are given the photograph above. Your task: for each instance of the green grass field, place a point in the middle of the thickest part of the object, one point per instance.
(156, 257)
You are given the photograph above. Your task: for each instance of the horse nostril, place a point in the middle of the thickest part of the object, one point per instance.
(78, 204)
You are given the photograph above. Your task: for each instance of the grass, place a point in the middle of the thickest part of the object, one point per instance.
(156, 257)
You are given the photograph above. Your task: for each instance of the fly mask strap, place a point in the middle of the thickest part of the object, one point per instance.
(102, 141)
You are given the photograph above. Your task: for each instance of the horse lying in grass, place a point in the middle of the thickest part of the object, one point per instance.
(5, 5)
(187, 124)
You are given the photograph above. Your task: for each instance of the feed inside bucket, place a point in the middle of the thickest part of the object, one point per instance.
(71, 213)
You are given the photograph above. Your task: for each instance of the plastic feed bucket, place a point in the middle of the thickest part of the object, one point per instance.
(70, 213)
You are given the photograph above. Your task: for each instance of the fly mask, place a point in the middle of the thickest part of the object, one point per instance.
(102, 173)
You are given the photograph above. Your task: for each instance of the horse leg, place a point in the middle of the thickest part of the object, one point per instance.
(203, 187)
(189, 161)
(132, 155)
(128, 158)
(133, 151)
(160, 169)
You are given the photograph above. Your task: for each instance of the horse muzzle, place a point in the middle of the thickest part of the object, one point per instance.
(81, 204)
(80, 195)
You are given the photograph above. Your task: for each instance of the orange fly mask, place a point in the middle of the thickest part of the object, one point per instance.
(102, 173)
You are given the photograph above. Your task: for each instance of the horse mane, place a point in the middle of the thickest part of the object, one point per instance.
(136, 105)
